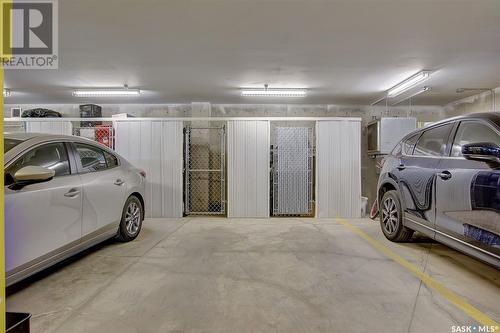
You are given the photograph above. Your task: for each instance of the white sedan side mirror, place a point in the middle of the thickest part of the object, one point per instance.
(33, 174)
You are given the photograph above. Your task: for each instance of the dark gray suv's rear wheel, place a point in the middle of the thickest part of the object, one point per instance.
(391, 218)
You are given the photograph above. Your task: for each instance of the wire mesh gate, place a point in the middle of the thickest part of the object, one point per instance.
(97, 131)
(292, 172)
(205, 171)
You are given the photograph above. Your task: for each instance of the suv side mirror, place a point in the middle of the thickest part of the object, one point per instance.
(482, 151)
(32, 174)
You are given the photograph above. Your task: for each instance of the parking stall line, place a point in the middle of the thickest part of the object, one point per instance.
(448, 294)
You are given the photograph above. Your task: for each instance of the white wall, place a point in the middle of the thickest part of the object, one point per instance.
(248, 168)
(157, 148)
(427, 113)
(338, 168)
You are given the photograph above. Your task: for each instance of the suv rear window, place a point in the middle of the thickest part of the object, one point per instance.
(433, 141)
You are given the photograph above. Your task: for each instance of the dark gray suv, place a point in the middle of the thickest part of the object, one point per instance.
(444, 181)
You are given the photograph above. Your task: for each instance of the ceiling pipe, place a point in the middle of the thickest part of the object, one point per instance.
(378, 100)
(492, 92)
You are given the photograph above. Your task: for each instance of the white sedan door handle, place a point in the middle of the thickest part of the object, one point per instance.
(72, 193)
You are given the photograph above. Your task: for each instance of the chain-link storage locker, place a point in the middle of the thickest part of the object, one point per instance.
(204, 171)
(292, 172)
(102, 133)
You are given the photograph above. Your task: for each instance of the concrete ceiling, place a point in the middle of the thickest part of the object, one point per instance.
(345, 52)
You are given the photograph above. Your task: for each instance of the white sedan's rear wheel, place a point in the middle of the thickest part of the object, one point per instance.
(131, 222)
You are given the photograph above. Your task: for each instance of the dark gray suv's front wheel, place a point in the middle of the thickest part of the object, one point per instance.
(391, 218)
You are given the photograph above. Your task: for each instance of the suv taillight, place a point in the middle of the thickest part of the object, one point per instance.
(143, 173)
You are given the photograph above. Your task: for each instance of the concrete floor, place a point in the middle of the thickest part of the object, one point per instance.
(277, 275)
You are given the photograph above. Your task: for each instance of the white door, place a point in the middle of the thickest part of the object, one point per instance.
(248, 149)
(338, 160)
(104, 190)
(44, 217)
(468, 191)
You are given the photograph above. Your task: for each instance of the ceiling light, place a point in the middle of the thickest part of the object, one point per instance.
(6, 93)
(408, 83)
(124, 92)
(273, 92)
(424, 89)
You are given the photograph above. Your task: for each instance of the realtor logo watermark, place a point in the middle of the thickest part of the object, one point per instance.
(30, 34)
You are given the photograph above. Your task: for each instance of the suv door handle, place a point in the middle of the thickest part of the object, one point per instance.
(119, 182)
(72, 193)
(445, 175)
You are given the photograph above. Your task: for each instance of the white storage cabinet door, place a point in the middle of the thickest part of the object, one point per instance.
(338, 160)
(155, 147)
(248, 168)
(50, 127)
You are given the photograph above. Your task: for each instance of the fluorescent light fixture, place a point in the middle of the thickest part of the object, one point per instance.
(268, 92)
(6, 93)
(424, 89)
(106, 92)
(408, 83)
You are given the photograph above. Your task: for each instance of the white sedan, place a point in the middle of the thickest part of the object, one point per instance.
(64, 194)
